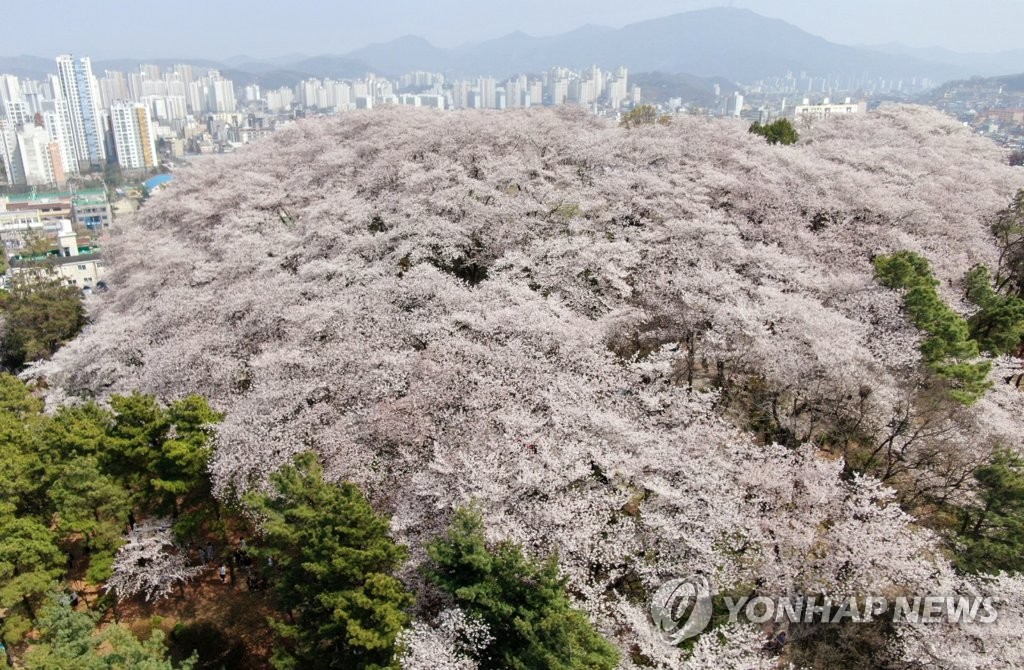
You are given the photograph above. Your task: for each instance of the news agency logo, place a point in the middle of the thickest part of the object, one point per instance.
(682, 609)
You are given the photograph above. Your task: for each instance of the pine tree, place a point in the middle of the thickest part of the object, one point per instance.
(949, 350)
(523, 602)
(92, 503)
(998, 325)
(39, 316)
(69, 641)
(992, 530)
(161, 454)
(333, 563)
(179, 467)
(25, 472)
(780, 131)
(30, 565)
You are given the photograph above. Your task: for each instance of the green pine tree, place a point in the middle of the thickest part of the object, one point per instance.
(949, 350)
(77, 430)
(39, 316)
(780, 131)
(992, 530)
(89, 502)
(522, 601)
(160, 453)
(179, 466)
(133, 441)
(69, 640)
(30, 565)
(998, 325)
(25, 474)
(333, 562)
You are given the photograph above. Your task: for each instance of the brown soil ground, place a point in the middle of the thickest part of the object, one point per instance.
(238, 613)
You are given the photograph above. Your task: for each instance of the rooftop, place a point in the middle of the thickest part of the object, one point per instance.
(53, 257)
(82, 195)
(158, 180)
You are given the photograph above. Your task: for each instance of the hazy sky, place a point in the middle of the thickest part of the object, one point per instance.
(223, 28)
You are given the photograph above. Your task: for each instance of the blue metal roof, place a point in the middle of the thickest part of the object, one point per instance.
(158, 180)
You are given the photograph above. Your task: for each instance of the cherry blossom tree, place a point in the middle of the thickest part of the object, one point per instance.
(656, 351)
(451, 642)
(149, 563)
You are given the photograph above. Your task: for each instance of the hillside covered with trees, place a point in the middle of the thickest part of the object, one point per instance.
(566, 361)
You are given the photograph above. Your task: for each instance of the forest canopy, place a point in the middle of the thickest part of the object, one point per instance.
(653, 351)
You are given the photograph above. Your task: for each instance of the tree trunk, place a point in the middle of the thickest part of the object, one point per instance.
(691, 343)
(28, 607)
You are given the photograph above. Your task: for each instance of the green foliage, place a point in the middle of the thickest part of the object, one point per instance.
(643, 115)
(30, 560)
(23, 476)
(780, 131)
(998, 325)
(15, 400)
(72, 477)
(134, 439)
(948, 350)
(1008, 230)
(30, 565)
(39, 316)
(161, 454)
(69, 641)
(523, 602)
(334, 561)
(88, 501)
(77, 430)
(992, 530)
(75, 475)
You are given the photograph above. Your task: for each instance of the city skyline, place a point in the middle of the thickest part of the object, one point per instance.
(270, 30)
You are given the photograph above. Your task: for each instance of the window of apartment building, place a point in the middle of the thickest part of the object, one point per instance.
(83, 267)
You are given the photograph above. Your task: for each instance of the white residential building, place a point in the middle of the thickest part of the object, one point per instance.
(81, 91)
(18, 112)
(57, 121)
(8, 148)
(134, 138)
(10, 88)
(17, 226)
(807, 111)
(38, 157)
(223, 95)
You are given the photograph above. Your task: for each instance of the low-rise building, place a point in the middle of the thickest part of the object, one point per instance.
(76, 262)
(91, 209)
(17, 228)
(88, 207)
(827, 108)
(50, 206)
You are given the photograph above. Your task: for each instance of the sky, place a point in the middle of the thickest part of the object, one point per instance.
(267, 28)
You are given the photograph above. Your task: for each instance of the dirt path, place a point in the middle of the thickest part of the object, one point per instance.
(226, 622)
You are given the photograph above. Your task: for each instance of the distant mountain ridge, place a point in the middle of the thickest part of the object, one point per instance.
(1012, 84)
(991, 64)
(735, 44)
